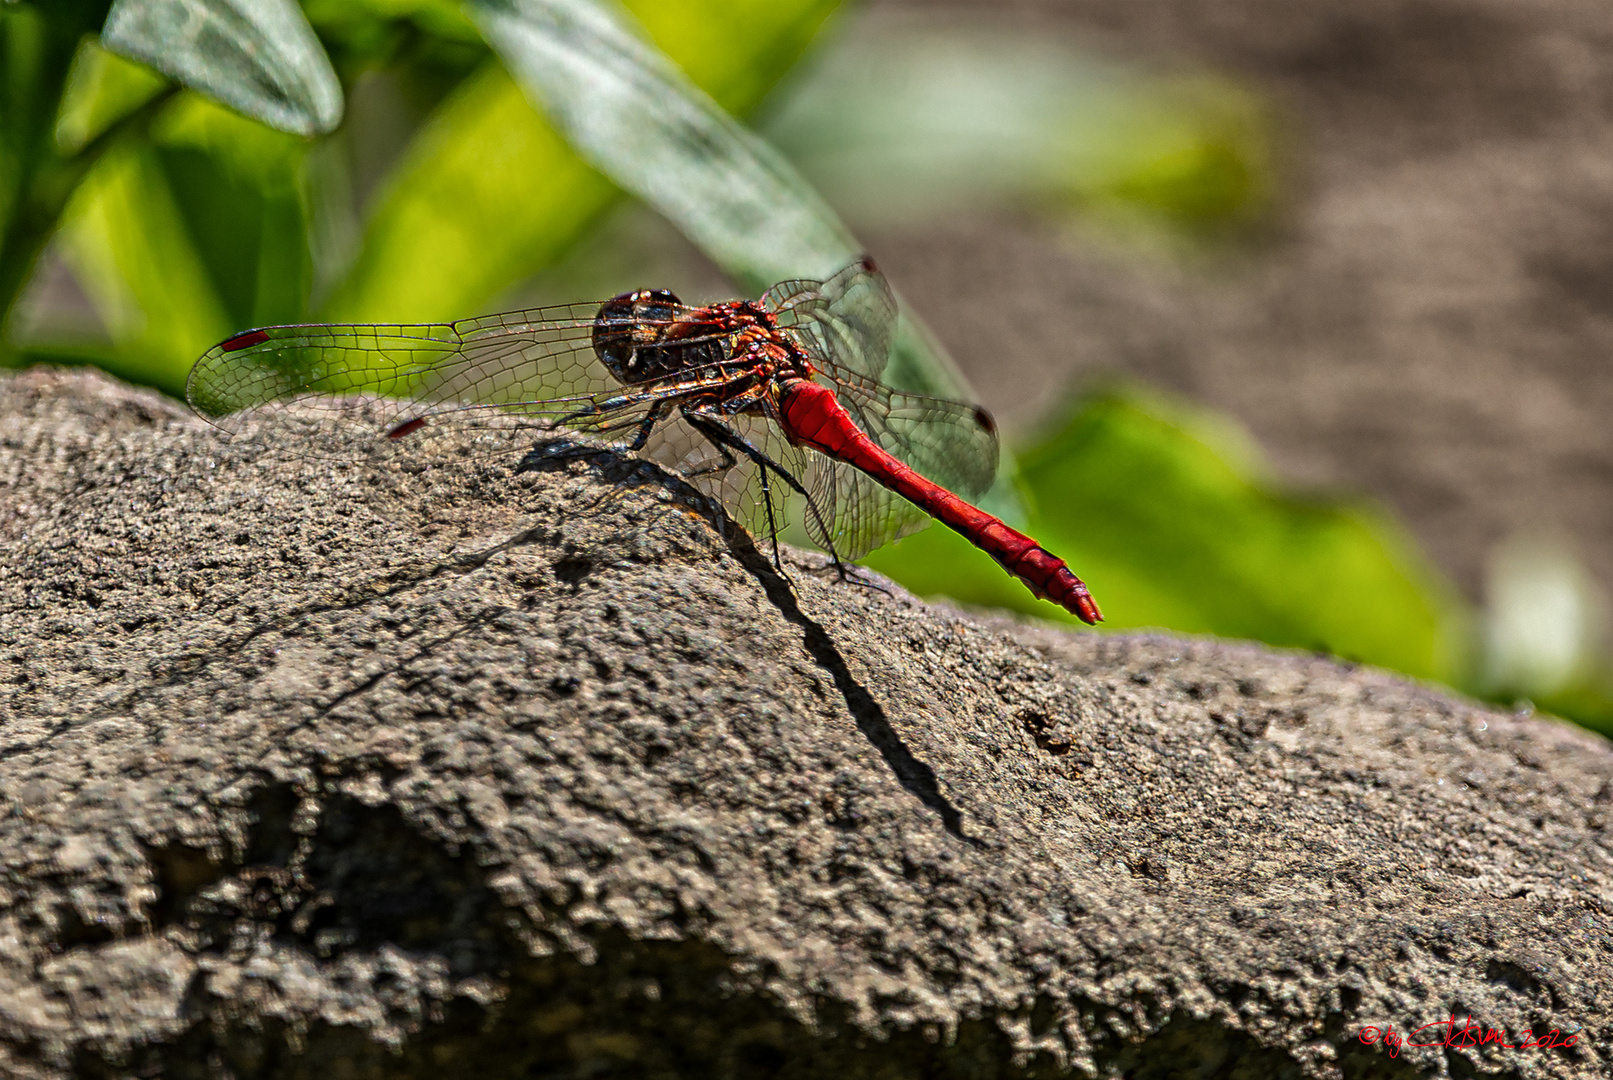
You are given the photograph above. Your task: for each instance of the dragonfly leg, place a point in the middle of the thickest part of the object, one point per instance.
(772, 522)
(721, 435)
(727, 462)
(656, 414)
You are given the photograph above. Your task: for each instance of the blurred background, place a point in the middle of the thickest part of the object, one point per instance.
(1296, 317)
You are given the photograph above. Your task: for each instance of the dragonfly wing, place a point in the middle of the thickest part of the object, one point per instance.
(278, 368)
(843, 510)
(514, 372)
(740, 487)
(847, 320)
(537, 363)
(946, 442)
(867, 515)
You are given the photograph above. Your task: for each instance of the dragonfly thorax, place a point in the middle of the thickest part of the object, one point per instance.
(648, 334)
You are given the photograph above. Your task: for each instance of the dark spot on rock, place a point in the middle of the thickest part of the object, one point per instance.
(270, 813)
(73, 930)
(1043, 1013)
(1148, 866)
(573, 569)
(382, 881)
(181, 873)
(1048, 735)
(1517, 979)
(1242, 727)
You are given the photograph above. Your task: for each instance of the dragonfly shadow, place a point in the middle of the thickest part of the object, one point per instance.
(620, 468)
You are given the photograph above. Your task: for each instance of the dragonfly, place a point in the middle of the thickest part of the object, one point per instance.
(756, 402)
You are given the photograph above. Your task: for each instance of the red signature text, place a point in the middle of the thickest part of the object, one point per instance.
(1465, 1035)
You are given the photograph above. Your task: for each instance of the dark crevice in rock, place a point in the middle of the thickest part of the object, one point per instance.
(376, 880)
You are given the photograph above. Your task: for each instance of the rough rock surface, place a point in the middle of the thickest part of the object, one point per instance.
(364, 770)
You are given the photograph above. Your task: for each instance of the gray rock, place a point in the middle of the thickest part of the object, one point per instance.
(431, 767)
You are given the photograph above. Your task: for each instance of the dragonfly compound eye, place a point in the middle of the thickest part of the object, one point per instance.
(630, 322)
(649, 334)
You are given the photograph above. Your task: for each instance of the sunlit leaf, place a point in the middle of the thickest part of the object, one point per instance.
(734, 50)
(237, 185)
(442, 18)
(487, 194)
(258, 56)
(629, 111)
(102, 89)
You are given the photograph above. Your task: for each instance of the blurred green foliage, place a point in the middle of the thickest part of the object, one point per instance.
(913, 121)
(184, 220)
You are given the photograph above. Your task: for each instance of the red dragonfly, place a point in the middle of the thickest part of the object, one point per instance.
(733, 395)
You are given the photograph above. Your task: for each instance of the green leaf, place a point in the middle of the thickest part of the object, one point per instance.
(489, 194)
(1171, 521)
(486, 195)
(37, 46)
(101, 90)
(439, 18)
(237, 186)
(129, 246)
(201, 230)
(258, 56)
(734, 50)
(629, 111)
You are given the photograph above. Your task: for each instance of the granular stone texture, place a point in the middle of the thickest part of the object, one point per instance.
(434, 765)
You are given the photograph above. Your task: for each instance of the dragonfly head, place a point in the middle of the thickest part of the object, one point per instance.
(629, 322)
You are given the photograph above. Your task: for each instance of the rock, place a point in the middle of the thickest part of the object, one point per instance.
(433, 766)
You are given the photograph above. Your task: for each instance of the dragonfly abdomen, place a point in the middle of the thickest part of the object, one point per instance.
(813, 416)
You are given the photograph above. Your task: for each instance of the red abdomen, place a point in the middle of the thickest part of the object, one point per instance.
(813, 417)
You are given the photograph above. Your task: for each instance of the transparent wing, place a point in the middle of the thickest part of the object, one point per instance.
(846, 324)
(948, 443)
(514, 372)
(847, 320)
